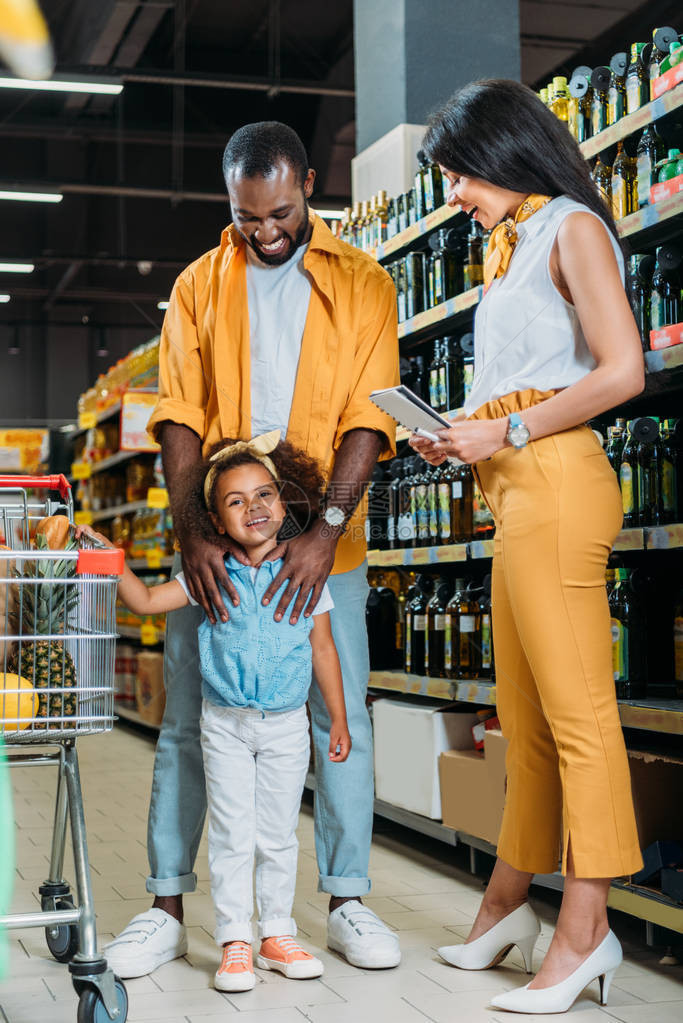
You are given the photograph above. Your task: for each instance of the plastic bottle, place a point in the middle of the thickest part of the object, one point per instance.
(668, 168)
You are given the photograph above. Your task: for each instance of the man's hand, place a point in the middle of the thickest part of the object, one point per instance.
(308, 561)
(204, 570)
(340, 741)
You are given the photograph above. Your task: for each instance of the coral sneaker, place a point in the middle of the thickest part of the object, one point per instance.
(236, 972)
(286, 955)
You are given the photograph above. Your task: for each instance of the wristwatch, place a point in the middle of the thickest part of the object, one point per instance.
(334, 516)
(517, 434)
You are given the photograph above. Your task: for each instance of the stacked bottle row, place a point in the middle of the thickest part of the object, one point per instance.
(428, 625)
(414, 504)
(426, 279)
(625, 186)
(365, 225)
(654, 287)
(645, 454)
(596, 98)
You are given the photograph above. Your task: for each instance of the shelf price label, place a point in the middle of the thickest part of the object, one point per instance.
(149, 634)
(154, 557)
(83, 518)
(157, 497)
(81, 470)
(87, 420)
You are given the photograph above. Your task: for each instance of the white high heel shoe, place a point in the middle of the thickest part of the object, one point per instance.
(600, 965)
(520, 928)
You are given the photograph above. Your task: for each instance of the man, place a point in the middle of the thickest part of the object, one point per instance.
(280, 326)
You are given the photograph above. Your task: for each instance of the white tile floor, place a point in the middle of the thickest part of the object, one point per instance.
(429, 901)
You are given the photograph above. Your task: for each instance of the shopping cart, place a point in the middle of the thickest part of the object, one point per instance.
(57, 639)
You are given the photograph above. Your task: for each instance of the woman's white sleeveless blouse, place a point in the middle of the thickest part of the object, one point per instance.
(525, 334)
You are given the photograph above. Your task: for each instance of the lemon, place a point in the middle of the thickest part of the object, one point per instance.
(18, 699)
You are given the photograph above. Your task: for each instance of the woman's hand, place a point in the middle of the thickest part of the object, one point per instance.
(94, 535)
(340, 741)
(470, 440)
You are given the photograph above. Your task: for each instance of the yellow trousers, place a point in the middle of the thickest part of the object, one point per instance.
(557, 508)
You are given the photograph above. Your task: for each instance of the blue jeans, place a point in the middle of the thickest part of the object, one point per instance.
(344, 792)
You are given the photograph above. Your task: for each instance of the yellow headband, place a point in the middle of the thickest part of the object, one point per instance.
(258, 448)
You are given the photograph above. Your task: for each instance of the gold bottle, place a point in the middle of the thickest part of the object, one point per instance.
(624, 185)
(559, 104)
(380, 230)
(602, 176)
(356, 225)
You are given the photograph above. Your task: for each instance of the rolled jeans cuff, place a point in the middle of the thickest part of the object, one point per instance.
(344, 887)
(276, 928)
(235, 931)
(172, 885)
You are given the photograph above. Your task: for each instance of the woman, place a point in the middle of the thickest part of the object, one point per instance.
(555, 344)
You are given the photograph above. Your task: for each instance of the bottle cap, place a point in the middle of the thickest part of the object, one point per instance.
(559, 83)
(543, 96)
(674, 154)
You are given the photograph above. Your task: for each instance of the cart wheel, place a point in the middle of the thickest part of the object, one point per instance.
(63, 940)
(91, 1007)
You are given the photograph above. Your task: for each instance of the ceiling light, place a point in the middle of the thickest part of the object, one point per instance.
(32, 196)
(109, 86)
(4, 298)
(330, 214)
(162, 304)
(17, 268)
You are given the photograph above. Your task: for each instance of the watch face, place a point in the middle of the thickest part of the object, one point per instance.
(518, 435)
(334, 516)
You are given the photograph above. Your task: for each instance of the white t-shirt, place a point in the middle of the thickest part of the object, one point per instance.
(278, 298)
(324, 604)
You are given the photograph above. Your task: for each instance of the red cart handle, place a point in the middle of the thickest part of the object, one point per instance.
(56, 482)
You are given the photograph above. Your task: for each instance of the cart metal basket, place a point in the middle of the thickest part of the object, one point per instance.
(57, 645)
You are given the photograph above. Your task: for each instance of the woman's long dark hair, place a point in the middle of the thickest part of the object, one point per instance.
(499, 130)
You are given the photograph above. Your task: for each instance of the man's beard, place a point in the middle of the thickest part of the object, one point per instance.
(294, 243)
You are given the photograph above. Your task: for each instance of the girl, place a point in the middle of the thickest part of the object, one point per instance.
(555, 344)
(256, 676)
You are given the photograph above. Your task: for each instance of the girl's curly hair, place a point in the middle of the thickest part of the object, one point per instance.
(300, 485)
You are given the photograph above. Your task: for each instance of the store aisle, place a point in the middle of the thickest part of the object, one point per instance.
(429, 902)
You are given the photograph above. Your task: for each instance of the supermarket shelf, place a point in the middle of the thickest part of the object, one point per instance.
(642, 222)
(128, 714)
(628, 540)
(481, 691)
(633, 122)
(118, 509)
(128, 631)
(646, 905)
(120, 456)
(665, 358)
(664, 716)
(408, 239)
(441, 318)
(102, 417)
(141, 564)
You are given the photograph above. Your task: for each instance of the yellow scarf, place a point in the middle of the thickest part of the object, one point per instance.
(504, 238)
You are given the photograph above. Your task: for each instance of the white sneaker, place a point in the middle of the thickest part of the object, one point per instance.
(359, 935)
(151, 939)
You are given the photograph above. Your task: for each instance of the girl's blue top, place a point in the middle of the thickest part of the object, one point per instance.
(251, 660)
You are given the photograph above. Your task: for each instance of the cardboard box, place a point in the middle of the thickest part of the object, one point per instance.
(409, 739)
(657, 786)
(665, 337)
(150, 695)
(473, 788)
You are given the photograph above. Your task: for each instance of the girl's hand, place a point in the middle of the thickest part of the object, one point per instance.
(88, 531)
(472, 440)
(340, 741)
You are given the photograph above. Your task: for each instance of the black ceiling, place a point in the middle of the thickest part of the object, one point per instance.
(131, 167)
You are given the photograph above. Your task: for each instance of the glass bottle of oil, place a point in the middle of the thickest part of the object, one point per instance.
(447, 267)
(381, 229)
(637, 84)
(363, 226)
(421, 505)
(669, 473)
(628, 639)
(543, 96)
(559, 107)
(486, 631)
(416, 625)
(452, 375)
(401, 296)
(602, 176)
(422, 170)
(434, 195)
(579, 107)
(404, 517)
(665, 296)
(600, 80)
(628, 479)
(412, 212)
(392, 221)
(462, 638)
(444, 486)
(624, 185)
(434, 369)
(648, 458)
(615, 446)
(473, 270)
(466, 346)
(401, 212)
(357, 225)
(414, 273)
(639, 281)
(648, 154)
(616, 97)
(462, 503)
(435, 653)
(433, 477)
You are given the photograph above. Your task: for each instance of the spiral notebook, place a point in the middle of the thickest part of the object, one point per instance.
(407, 409)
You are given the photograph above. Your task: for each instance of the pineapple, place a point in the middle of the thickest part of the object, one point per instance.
(41, 610)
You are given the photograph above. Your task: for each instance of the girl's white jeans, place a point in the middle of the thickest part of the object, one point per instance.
(255, 769)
